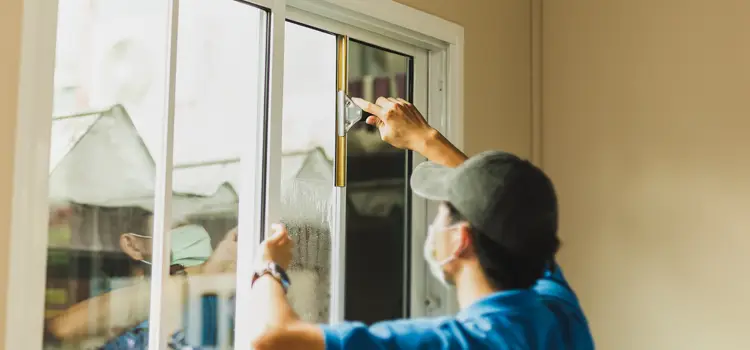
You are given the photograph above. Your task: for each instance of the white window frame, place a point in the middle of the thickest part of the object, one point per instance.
(418, 292)
(28, 236)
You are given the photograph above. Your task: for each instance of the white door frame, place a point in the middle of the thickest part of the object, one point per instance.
(28, 237)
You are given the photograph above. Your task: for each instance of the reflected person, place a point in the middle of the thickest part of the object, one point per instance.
(493, 241)
(121, 313)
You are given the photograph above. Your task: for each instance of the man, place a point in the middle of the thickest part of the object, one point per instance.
(121, 314)
(190, 249)
(494, 239)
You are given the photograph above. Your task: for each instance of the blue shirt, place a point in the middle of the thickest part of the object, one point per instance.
(137, 338)
(546, 317)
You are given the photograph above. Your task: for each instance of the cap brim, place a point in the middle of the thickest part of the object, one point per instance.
(432, 181)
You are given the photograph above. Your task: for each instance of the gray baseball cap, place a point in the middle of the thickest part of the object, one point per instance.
(498, 193)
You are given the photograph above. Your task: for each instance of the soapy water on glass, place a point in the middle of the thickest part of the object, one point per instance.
(308, 215)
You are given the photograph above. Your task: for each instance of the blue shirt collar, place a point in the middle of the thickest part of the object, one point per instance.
(499, 302)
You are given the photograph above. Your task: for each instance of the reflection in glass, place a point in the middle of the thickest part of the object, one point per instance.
(110, 81)
(217, 106)
(377, 192)
(306, 168)
(110, 84)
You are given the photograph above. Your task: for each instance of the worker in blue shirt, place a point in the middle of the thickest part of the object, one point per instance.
(493, 240)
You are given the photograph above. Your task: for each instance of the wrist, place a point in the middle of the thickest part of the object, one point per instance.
(273, 271)
(268, 260)
(437, 149)
(265, 279)
(428, 140)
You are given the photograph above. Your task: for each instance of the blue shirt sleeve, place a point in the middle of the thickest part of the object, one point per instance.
(401, 334)
(561, 300)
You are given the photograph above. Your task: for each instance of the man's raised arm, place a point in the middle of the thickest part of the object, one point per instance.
(401, 125)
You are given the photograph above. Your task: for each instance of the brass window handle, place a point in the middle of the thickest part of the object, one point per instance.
(342, 83)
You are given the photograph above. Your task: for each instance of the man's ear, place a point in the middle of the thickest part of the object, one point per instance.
(136, 247)
(465, 242)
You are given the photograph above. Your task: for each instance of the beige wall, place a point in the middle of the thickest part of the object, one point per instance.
(497, 70)
(10, 40)
(646, 122)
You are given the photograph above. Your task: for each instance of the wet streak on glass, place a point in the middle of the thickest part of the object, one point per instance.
(307, 150)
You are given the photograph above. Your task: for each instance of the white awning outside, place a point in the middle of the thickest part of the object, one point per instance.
(106, 158)
(99, 159)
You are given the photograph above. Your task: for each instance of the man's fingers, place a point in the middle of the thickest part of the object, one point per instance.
(385, 103)
(405, 102)
(368, 107)
(373, 120)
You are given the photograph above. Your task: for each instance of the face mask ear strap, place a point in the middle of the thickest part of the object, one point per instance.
(462, 247)
(149, 263)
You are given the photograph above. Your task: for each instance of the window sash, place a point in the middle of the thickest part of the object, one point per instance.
(30, 201)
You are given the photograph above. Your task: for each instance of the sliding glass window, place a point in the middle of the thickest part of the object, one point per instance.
(133, 92)
(181, 129)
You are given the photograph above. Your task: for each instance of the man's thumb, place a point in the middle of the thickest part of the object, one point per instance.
(277, 231)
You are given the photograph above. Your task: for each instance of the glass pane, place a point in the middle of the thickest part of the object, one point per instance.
(307, 168)
(110, 82)
(376, 195)
(217, 106)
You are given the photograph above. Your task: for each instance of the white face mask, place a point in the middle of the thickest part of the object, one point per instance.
(436, 266)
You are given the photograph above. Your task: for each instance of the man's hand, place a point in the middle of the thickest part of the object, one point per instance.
(277, 247)
(399, 122)
(224, 257)
(275, 324)
(402, 126)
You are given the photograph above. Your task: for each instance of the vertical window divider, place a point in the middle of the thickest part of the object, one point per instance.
(158, 331)
(435, 297)
(338, 232)
(421, 73)
(338, 257)
(260, 202)
(275, 112)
